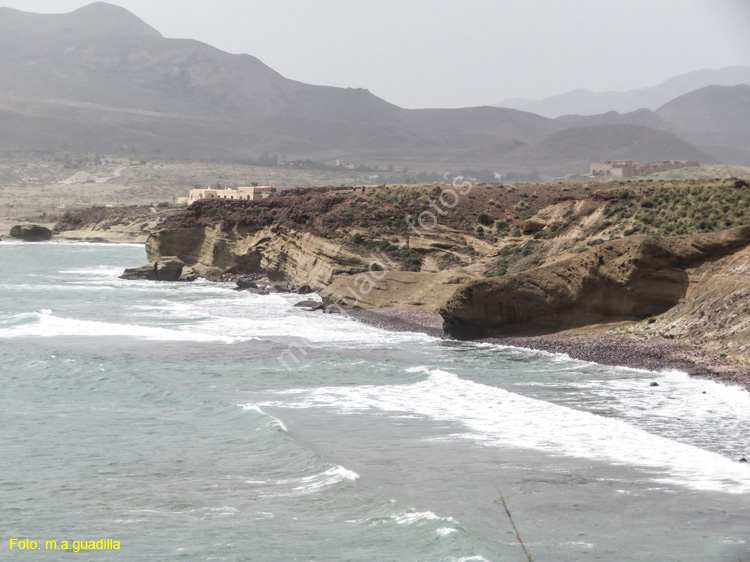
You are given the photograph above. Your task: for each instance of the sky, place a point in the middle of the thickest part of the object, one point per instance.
(459, 53)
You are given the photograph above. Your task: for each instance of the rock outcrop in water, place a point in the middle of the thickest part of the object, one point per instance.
(109, 224)
(165, 269)
(31, 233)
(282, 254)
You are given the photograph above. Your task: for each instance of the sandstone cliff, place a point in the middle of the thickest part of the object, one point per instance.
(109, 224)
(626, 279)
(504, 260)
(715, 312)
(283, 254)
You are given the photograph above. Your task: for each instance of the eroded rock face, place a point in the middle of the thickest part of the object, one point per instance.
(166, 269)
(626, 279)
(530, 226)
(284, 255)
(385, 289)
(716, 308)
(31, 233)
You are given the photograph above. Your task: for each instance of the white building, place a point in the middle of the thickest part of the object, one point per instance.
(249, 193)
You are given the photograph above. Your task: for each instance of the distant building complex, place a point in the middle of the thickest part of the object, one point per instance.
(241, 193)
(626, 168)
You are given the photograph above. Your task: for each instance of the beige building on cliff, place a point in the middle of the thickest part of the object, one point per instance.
(626, 168)
(250, 193)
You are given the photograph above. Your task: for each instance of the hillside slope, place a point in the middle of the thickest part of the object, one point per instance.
(103, 74)
(101, 80)
(716, 118)
(572, 150)
(586, 102)
(664, 260)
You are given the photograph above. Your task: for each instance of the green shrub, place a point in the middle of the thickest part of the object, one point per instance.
(485, 220)
(500, 269)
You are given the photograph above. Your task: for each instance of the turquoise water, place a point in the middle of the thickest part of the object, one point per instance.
(161, 416)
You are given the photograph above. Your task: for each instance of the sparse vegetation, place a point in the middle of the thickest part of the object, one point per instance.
(691, 209)
(500, 268)
(485, 220)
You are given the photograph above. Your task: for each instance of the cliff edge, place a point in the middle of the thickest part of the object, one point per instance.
(627, 279)
(657, 260)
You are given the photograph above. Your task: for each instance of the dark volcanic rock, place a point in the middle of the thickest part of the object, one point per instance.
(310, 305)
(31, 233)
(167, 269)
(259, 290)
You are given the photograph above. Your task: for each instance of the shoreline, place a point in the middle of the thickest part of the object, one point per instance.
(10, 240)
(604, 349)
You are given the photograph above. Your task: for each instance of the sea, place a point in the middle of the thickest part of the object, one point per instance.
(189, 421)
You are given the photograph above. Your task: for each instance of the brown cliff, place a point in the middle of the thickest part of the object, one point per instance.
(283, 254)
(110, 224)
(592, 257)
(626, 279)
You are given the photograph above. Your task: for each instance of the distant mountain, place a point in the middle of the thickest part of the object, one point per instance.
(716, 117)
(586, 102)
(643, 117)
(101, 80)
(715, 108)
(572, 150)
(101, 69)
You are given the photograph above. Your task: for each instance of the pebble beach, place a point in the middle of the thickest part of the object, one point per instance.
(605, 349)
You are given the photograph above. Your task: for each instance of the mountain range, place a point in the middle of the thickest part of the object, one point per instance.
(101, 80)
(586, 102)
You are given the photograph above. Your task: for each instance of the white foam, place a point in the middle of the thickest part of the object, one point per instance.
(416, 516)
(579, 544)
(497, 417)
(49, 325)
(97, 271)
(303, 485)
(255, 408)
(322, 331)
(329, 477)
(692, 410)
(421, 517)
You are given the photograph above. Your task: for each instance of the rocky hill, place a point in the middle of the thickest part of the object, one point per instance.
(586, 102)
(101, 80)
(716, 118)
(109, 224)
(660, 260)
(710, 109)
(572, 150)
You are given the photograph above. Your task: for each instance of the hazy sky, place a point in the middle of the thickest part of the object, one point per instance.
(452, 53)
